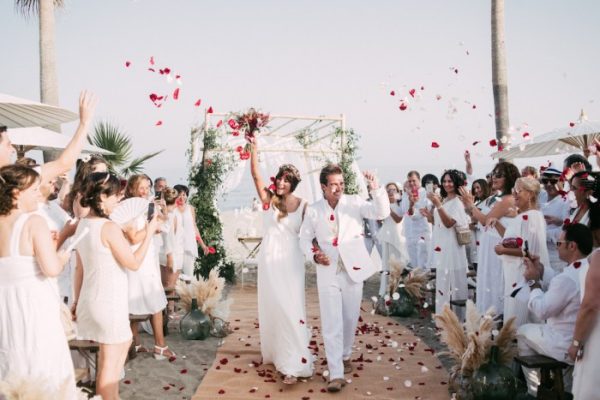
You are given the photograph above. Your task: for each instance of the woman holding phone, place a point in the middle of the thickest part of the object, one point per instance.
(146, 292)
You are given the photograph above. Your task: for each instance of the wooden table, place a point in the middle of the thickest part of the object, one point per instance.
(252, 245)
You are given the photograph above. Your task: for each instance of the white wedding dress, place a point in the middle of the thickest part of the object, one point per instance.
(585, 375)
(284, 333)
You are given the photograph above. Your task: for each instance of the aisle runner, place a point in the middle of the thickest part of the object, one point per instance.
(390, 362)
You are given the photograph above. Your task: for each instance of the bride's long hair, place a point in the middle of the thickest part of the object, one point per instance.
(291, 175)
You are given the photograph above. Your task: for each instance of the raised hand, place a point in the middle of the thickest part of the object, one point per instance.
(371, 180)
(87, 106)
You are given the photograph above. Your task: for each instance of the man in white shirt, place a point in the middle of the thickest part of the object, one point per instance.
(416, 228)
(342, 262)
(558, 306)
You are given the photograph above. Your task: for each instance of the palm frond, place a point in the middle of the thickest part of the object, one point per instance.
(109, 137)
(29, 8)
(136, 165)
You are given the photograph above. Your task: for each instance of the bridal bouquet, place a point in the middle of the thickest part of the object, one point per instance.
(249, 123)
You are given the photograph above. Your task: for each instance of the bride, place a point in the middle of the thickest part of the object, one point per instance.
(284, 335)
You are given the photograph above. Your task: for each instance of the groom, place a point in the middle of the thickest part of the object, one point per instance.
(343, 263)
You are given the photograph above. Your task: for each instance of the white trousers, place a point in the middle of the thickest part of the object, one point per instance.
(339, 304)
(418, 251)
(537, 339)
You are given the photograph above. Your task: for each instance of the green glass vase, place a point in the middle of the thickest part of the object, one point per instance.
(195, 325)
(494, 381)
(404, 306)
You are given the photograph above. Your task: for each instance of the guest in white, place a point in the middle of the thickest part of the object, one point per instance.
(556, 211)
(584, 187)
(191, 235)
(530, 227)
(449, 257)
(586, 339)
(104, 256)
(170, 254)
(32, 340)
(558, 306)
(500, 205)
(416, 228)
(392, 242)
(336, 222)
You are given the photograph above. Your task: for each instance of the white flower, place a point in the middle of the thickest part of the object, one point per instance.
(396, 296)
(86, 158)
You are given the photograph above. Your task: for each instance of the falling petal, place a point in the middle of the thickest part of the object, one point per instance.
(176, 94)
(127, 64)
(158, 123)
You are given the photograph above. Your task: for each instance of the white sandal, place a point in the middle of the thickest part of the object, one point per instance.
(161, 355)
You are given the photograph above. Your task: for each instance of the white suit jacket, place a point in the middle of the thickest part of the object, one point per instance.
(350, 244)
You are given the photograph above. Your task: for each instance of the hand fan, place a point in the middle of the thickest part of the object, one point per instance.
(129, 209)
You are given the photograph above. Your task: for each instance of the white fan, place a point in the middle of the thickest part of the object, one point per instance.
(129, 209)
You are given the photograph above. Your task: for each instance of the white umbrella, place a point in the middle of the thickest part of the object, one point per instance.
(21, 113)
(26, 139)
(569, 139)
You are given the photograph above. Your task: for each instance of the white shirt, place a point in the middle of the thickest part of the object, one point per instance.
(557, 207)
(416, 225)
(560, 303)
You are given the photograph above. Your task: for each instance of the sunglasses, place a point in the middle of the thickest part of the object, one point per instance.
(549, 181)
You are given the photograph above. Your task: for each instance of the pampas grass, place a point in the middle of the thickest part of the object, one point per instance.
(396, 269)
(208, 293)
(27, 388)
(415, 281)
(469, 344)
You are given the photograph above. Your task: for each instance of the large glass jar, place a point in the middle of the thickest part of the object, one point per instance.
(494, 381)
(404, 306)
(195, 325)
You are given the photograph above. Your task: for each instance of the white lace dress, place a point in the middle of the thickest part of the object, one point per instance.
(33, 344)
(284, 334)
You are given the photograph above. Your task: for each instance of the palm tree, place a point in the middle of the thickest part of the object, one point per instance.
(109, 137)
(48, 77)
(499, 79)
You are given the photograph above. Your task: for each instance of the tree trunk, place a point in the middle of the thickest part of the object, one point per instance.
(499, 79)
(48, 76)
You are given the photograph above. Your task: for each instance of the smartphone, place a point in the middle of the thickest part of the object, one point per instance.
(150, 211)
(429, 187)
(158, 196)
(526, 249)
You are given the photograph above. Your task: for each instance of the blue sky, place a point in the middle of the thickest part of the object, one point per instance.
(320, 58)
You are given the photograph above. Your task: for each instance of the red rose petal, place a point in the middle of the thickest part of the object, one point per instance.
(392, 93)
(197, 103)
(172, 358)
(166, 387)
(435, 145)
(493, 142)
(221, 391)
(158, 123)
(477, 242)
(335, 242)
(567, 221)
(525, 134)
(303, 360)
(219, 123)
(302, 322)
(438, 97)
(519, 241)
(235, 133)
(474, 106)
(211, 250)
(223, 361)
(514, 284)
(475, 143)
(210, 110)
(152, 60)
(412, 92)
(183, 371)
(571, 124)
(356, 268)
(127, 64)
(525, 217)
(176, 94)
(437, 248)
(332, 217)
(127, 382)
(577, 264)
(403, 106)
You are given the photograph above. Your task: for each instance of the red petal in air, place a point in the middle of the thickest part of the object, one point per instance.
(176, 94)
(403, 106)
(210, 110)
(525, 217)
(525, 134)
(301, 322)
(332, 217)
(272, 187)
(151, 70)
(412, 92)
(577, 264)
(177, 76)
(335, 242)
(127, 64)
(356, 268)
(392, 93)
(493, 142)
(158, 123)
(197, 103)
(303, 360)
(435, 145)
(152, 60)
(474, 106)
(219, 123)
(475, 143)
(437, 248)
(235, 133)
(571, 124)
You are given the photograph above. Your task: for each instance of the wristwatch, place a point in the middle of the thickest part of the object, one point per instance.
(576, 343)
(533, 282)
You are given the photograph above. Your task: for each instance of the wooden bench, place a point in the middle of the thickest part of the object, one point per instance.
(139, 318)
(551, 376)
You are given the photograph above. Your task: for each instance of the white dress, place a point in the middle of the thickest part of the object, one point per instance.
(284, 333)
(558, 207)
(32, 339)
(529, 226)
(146, 292)
(490, 276)
(102, 308)
(449, 258)
(585, 375)
(190, 246)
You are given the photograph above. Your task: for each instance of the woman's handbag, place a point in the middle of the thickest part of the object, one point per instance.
(463, 235)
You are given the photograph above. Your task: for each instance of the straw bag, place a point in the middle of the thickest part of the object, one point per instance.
(463, 235)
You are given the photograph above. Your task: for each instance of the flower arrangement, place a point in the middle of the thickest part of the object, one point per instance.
(469, 344)
(414, 282)
(208, 293)
(250, 123)
(28, 388)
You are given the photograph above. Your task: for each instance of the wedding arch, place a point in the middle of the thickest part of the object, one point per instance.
(219, 158)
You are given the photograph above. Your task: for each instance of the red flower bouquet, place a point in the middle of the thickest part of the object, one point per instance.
(250, 123)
